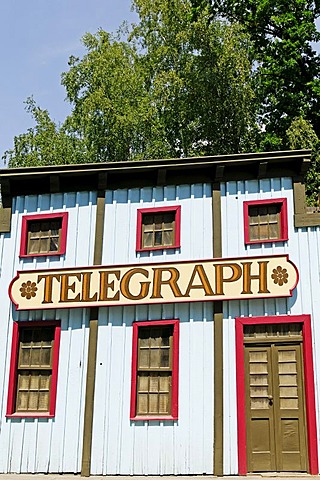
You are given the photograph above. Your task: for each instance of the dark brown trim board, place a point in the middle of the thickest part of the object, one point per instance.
(92, 348)
(218, 340)
(303, 218)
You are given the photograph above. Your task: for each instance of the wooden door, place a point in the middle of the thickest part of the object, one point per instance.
(275, 407)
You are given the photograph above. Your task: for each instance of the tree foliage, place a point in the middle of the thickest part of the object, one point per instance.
(44, 144)
(287, 68)
(176, 85)
(301, 134)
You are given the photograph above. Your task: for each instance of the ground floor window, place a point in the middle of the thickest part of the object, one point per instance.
(154, 392)
(33, 370)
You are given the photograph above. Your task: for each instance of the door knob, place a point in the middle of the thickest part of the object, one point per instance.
(270, 398)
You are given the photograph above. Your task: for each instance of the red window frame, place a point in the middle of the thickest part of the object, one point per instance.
(175, 370)
(13, 373)
(43, 217)
(283, 220)
(176, 209)
(309, 390)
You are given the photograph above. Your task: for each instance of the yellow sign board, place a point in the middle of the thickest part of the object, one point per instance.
(188, 281)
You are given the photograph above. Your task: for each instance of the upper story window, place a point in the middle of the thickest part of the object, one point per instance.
(44, 234)
(158, 228)
(154, 383)
(265, 221)
(33, 370)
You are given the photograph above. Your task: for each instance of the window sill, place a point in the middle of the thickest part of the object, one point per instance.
(49, 254)
(149, 249)
(146, 418)
(275, 240)
(30, 415)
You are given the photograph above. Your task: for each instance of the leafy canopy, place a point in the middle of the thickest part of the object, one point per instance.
(175, 85)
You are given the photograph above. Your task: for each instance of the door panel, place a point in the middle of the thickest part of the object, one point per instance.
(289, 408)
(260, 434)
(276, 437)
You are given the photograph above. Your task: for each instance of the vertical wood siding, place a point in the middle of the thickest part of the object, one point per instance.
(47, 445)
(185, 446)
(121, 223)
(303, 248)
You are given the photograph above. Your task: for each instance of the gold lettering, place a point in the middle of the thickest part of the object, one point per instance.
(172, 281)
(220, 279)
(105, 285)
(262, 277)
(48, 279)
(205, 284)
(86, 283)
(125, 283)
(65, 287)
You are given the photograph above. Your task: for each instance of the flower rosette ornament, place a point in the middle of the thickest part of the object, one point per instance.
(28, 289)
(280, 276)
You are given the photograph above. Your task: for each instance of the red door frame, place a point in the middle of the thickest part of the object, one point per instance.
(308, 382)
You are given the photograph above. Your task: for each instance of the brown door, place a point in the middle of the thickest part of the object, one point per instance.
(275, 407)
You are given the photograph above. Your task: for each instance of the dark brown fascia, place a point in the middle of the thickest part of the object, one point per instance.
(67, 178)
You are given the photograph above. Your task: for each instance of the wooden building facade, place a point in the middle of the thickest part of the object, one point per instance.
(160, 317)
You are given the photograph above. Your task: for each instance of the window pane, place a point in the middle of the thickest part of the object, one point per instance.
(142, 403)
(148, 239)
(254, 232)
(54, 244)
(35, 357)
(25, 355)
(164, 383)
(158, 238)
(45, 357)
(154, 385)
(23, 381)
(34, 246)
(164, 403)
(44, 237)
(158, 229)
(274, 230)
(143, 382)
(168, 238)
(144, 359)
(34, 381)
(43, 404)
(22, 401)
(33, 401)
(165, 358)
(44, 245)
(153, 403)
(155, 358)
(264, 222)
(33, 384)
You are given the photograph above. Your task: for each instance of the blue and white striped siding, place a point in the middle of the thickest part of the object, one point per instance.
(185, 446)
(48, 445)
(303, 248)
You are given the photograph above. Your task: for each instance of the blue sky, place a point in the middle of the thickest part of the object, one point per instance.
(37, 37)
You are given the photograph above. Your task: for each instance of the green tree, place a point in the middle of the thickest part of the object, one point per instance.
(44, 144)
(287, 67)
(175, 86)
(301, 134)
